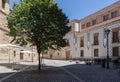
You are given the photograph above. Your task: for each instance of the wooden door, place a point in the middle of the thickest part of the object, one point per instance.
(21, 56)
(67, 55)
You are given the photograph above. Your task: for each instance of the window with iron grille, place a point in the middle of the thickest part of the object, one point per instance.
(82, 42)
(115, 35)
(105, 17)
(81, 53)
(88, 24)
(96, 52)
(96, 39)
(115, 51)
(93, 22)
(83, 26)
(114, 14)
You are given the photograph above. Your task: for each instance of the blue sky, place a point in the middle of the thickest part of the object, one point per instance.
(77, 9)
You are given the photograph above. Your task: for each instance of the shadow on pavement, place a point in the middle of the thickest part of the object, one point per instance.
(94, 73)
(47, 74)
(88, 73)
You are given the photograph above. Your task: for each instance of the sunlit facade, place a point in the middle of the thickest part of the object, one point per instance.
(11, 53)
(87, 38)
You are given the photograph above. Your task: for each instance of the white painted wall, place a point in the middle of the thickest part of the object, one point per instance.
(88, 53)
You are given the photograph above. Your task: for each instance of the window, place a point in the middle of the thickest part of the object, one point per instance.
(105, 17)
(3, 4)
(96, 52)
(115, 35)
(81, 53)
(83, 26)
(96, 39)
(114, 14)
(93, 22)
(14, 53)
(82, 42)
(88, 24)
(115, 51)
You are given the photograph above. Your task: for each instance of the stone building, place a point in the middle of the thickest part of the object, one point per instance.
(4, 39)
(87, 37)
(4, 11)
(10, 53)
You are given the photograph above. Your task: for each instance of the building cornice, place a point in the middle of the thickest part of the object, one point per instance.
(73, 21)
(108, 8)
(100, 25)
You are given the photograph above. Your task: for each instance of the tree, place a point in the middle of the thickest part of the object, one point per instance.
(40, 23)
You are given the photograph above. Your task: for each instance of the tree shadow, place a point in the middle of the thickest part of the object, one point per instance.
(89, 73)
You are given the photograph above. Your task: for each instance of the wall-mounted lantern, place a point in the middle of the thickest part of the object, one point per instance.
(88, 40)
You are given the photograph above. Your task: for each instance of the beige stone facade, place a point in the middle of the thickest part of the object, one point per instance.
(11, 53)
(98, 16)
(54, 54)
(3, 22)
(3, 28)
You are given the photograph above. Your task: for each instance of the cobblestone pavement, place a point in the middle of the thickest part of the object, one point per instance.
(4, 71)
(90, 73)
(66, 71)
(50, 74)
(94, 73)
(9, 69)
(2, 75)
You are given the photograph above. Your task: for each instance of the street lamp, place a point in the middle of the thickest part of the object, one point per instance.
(107, 31)
(104, 42)
(88, 44)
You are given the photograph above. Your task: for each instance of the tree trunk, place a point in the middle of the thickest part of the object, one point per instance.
(39, 62)
(39, 59)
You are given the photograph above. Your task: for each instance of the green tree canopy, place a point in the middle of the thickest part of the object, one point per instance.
(39, 22)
